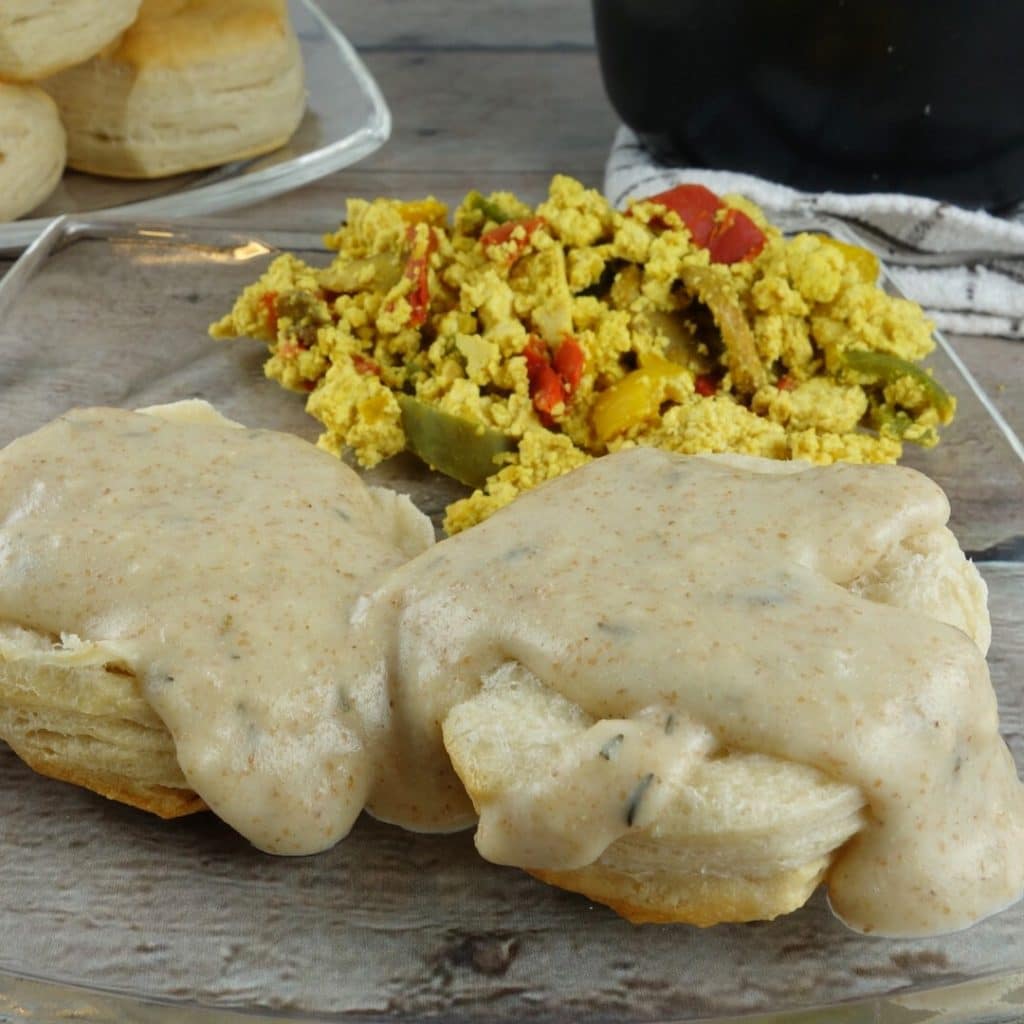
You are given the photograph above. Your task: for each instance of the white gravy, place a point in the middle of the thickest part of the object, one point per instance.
(304, 659)
(216, 563)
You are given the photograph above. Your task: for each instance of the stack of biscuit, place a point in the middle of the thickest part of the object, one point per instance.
(140, 89)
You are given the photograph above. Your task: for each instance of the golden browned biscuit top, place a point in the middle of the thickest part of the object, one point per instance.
(178, 33)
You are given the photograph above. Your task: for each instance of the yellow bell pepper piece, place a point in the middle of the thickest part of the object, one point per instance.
(863, 260)
(424, 211)
(659, 366)
(633, 399)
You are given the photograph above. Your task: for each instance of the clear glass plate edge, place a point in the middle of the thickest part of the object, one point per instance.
(235, 191)
(992, 999)
(24, 996)
(67, 228)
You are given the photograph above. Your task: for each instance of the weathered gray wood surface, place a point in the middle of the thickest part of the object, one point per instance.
(484, 95)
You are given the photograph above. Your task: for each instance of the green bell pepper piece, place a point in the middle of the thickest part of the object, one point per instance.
(452, 445)
(491, 210)
(886, 369)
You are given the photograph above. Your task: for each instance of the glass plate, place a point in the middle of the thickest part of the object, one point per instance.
(346, 119)
(109, 914)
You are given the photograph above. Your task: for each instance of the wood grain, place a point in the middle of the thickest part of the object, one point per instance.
(484, 95)
(545, 25)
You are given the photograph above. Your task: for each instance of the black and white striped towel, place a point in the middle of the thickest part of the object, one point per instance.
(965, 267)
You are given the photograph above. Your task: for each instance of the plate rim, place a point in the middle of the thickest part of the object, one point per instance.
(986, 993)
(238, 190)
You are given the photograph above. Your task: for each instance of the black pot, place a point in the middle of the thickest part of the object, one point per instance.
(922, 96)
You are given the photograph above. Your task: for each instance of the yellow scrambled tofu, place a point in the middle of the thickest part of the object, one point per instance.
(506, 345)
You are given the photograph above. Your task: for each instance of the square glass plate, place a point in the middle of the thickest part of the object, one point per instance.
(109, 914)
(346, 119)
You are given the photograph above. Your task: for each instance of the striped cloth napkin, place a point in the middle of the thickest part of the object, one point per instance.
(965, 267)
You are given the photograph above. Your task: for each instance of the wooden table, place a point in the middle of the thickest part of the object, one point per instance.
(501, 96)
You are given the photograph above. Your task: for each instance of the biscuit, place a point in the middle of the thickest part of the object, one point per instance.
(75, 714)
(719, 834)
(41, 37)
(750, 838)
(747, 836)
(32, 149)
(192, 84)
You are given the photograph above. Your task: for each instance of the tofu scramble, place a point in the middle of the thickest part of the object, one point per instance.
(510, 345)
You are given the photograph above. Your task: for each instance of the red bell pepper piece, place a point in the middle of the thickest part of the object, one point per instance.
(548, 392)
(553, 379)
(416, 271)
(535, 353)
(696, 206)
(735, 238)
(705, 385)
(365, 365)
(728, 234)
(503, 232)
(546, 388)
(568, 362)
(268, 300)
